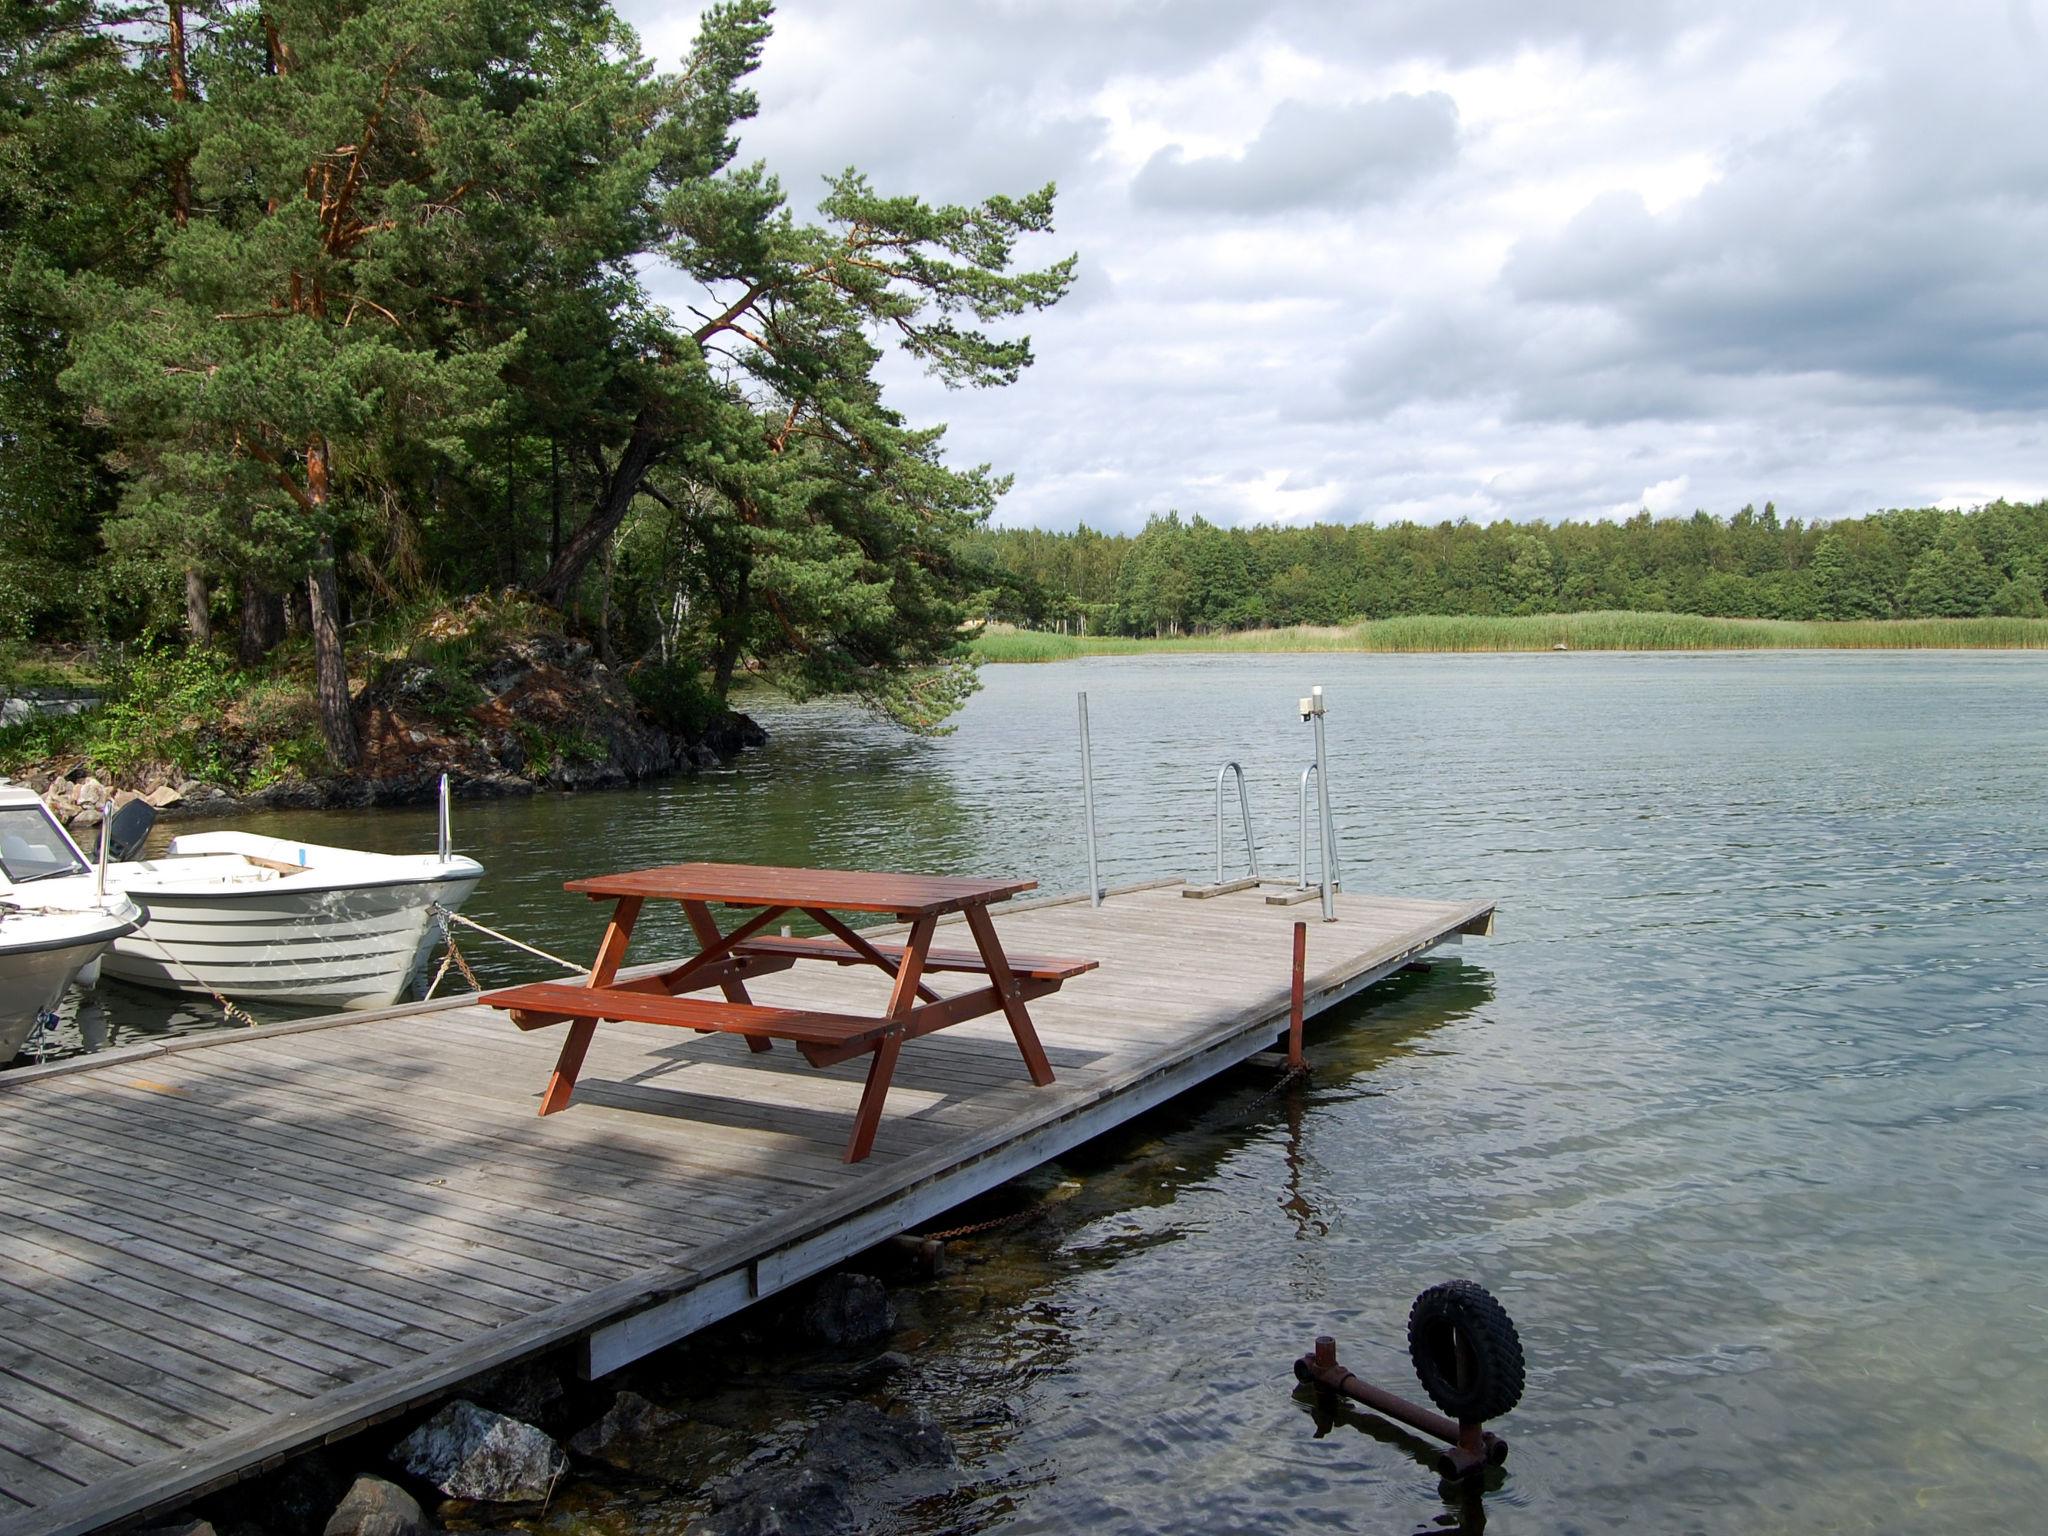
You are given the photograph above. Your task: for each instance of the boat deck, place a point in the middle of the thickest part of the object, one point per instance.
(218, 1250)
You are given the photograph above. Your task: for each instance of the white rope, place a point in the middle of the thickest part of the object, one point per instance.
(505, 938)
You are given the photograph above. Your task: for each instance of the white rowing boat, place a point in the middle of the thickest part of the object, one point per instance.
(234, 914)
(264, 918)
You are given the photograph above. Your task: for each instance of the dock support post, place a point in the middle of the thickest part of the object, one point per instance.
(1088, 806)
(1295, 996)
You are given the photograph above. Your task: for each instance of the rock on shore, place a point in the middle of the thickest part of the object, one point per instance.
(539, 711)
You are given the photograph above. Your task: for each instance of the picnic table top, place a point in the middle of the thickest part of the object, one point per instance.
(836, 890)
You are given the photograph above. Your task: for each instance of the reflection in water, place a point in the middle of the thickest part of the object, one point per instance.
(1742, 1114)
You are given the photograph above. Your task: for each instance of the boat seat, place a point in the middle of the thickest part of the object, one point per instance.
(1027, 967)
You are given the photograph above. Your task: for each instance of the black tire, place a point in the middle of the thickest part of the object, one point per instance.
(1465, 1350)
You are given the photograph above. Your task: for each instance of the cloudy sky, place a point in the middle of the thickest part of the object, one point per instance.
(1469, 258)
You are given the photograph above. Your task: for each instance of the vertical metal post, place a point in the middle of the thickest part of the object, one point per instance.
(1312, 711)
(1088, 806)
(447, 837)
(1295, 998)
(99, 876)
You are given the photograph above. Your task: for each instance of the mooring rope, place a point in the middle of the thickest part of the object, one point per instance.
(447, 917)
(226, 1007)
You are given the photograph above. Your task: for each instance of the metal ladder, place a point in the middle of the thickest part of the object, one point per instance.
(1244, 810)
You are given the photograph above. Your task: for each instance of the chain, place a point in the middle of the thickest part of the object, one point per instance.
(453, 957)
(994, 1223)
(1281, 1084)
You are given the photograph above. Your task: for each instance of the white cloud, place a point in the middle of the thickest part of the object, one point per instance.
(1476, 258)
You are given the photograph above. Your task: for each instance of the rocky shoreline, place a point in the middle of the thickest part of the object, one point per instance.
(542, 713)
(510, 1446)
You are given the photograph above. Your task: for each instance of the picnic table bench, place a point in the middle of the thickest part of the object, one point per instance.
(727, 960)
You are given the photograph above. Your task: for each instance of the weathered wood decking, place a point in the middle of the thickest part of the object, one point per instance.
(219, 1250)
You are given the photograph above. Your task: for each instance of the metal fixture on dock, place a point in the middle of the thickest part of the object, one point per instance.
(1326, 853)
(1088, 806)
(1469, 1359)
(1244, 810)
(1312, 712)
(446, 841)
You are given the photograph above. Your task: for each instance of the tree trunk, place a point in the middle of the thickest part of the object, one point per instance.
(198, 608)
(555, 499)
(181, 173)
(323, 600)
(262, 622)
(641, 453)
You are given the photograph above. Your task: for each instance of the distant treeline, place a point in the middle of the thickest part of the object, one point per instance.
(1190, 576)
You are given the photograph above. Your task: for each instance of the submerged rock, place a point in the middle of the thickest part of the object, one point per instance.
(862, 1442)
(835, 1469)
(648, 1440)
(850, 1309)
(469, 1452)
(776, 1502)
(373, 1507)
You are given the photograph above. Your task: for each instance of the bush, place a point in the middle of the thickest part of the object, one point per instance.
(675, 697)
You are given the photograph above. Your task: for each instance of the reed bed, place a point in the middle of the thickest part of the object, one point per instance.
(1543, 632)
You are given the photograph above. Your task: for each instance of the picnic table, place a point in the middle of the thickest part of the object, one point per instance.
(727, 960)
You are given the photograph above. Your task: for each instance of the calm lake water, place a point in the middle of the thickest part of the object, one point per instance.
(1743, 1114)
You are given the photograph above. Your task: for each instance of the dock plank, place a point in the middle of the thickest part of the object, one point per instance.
(296, 1230)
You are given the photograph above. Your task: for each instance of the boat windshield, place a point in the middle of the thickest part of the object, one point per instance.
(31, 847)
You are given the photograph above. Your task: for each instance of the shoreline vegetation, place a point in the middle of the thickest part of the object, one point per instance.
(1609, 631)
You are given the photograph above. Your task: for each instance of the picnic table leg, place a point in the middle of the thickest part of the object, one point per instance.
(611, 950)
(882, 1065)
(706, 928)
(1005, 982)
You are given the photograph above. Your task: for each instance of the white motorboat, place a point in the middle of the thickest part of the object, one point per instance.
(55, 918)
(265, 918)
(238, 915)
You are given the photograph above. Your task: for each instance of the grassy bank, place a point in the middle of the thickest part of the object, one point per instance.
(1543, 632)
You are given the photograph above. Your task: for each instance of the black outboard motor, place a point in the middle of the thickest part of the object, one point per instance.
(128, 829)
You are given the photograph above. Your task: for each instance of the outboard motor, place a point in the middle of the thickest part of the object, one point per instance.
(128, 829)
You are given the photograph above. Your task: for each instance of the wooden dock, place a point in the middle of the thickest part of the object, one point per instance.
(219, 1250)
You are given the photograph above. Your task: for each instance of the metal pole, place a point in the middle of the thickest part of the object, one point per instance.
(1301, 821)
(447, 838)
(1295, 1001)
(1088, 806)
(1323, 797)
(99, 878)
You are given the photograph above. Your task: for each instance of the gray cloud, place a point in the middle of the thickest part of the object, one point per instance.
(1311, 155)
(1719, 251)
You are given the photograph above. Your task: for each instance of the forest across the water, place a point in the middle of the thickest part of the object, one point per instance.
(1190, 577)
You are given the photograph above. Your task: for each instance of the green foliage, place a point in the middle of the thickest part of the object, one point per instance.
(548, 748)
(1191, 577)
(1574, 631)
(357, 312)
(159, 706)
(676, 696)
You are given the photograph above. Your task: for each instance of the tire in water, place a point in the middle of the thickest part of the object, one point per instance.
(1465, 1350)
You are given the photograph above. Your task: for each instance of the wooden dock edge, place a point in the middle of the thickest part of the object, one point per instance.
(632, 1318)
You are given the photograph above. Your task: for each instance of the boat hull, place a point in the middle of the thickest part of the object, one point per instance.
(349, 947)
(33, 977)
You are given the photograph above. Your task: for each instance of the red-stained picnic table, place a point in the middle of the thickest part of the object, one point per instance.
(726, 960)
